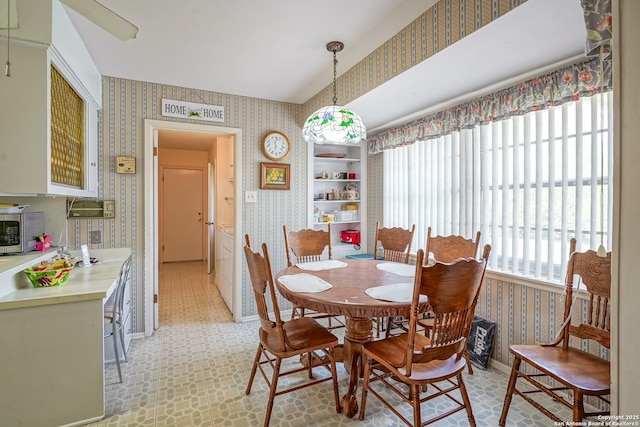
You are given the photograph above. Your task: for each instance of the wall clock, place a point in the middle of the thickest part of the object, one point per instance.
(275, 146)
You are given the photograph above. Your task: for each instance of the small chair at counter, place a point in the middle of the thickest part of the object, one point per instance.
(114, 313)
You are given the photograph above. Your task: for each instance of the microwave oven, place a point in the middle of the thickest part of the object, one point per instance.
(19, 231)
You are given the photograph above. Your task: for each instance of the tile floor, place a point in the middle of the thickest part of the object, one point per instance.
(193, 372)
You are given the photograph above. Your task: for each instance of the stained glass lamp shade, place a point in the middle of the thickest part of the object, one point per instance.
(334, 124)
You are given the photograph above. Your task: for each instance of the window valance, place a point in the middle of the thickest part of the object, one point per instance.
(565, 84)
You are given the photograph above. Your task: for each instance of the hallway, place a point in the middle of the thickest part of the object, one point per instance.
(193, 372)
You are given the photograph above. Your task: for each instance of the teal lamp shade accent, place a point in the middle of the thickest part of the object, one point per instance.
(334, 124)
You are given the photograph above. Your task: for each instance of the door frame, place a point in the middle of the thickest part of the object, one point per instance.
(211, 218)
(151, 208)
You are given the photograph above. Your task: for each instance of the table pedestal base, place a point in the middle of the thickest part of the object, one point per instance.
(358, 332)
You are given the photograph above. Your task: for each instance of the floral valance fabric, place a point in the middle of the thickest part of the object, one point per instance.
(598, 20)
(563, 85)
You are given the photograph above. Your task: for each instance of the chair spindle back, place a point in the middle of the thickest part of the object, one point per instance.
(306, 245)
(450, 248)
(396, 243)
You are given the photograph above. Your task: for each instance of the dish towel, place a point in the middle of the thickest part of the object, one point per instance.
(304, 282)
(398, 268)
(321, 265)
(395, 292)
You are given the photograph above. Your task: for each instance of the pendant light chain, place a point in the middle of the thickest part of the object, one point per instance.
(7, 69)
(335, 64)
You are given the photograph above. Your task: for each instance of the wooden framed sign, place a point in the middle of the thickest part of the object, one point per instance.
(274, 176)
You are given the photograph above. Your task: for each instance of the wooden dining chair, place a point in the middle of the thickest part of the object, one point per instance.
(307, 245)
(395, 244)
(571, 368)
(448, 249)
(409, 362)
(301, 337)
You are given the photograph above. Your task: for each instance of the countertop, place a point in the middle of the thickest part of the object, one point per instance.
(95, 282)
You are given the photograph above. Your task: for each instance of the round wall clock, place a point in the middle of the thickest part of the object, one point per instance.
(275, 146)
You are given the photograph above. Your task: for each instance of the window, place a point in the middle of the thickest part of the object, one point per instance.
(529, 184)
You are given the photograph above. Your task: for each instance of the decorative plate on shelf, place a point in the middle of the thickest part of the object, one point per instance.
(332, 155)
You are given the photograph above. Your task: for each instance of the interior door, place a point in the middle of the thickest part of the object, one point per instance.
(211, 218)
(182, 214)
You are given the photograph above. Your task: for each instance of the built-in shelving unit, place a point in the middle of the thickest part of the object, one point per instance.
(337, 193)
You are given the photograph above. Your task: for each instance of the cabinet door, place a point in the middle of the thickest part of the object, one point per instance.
(73, 140)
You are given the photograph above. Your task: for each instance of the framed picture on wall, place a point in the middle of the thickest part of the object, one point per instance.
(274, 176)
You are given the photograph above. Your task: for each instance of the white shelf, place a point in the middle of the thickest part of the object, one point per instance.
(335, 160)
(352, 163)
(335, 180)
(336, 201)
(337, 222)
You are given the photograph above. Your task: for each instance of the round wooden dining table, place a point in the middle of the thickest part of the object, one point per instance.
(347, 297)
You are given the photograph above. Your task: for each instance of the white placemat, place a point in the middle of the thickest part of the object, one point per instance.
(398, 268)
(395, 292)
(321, 265)
(304, 282)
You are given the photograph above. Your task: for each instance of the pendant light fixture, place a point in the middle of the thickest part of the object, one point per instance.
(334, 124)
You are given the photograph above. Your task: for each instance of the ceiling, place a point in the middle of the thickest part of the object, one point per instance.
(278, 52)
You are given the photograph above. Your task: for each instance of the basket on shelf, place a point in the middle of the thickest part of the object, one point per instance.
(44, 276)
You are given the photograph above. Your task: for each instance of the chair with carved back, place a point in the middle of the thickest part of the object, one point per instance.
(417, 361)
(395, 245)
(561, 366)
(448, 249)
(307, 245)
(280, 340)
(394, 242)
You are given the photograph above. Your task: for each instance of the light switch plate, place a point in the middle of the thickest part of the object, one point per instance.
(250, 197)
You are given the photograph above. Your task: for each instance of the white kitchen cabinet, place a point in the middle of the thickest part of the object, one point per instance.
(26, 118)
(332, 169)
(224, 263)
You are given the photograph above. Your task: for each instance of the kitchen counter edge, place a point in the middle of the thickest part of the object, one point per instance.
(84, 284)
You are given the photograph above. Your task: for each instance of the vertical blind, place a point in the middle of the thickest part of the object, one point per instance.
(528, 183)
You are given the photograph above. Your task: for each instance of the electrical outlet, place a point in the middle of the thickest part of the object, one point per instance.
(96, 237)
(250, 197)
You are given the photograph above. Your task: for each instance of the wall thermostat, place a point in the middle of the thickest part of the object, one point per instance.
(125, 164)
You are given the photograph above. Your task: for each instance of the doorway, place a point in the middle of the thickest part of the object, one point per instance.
(151, 252)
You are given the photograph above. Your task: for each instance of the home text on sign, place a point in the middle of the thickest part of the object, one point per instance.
(192, 110)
